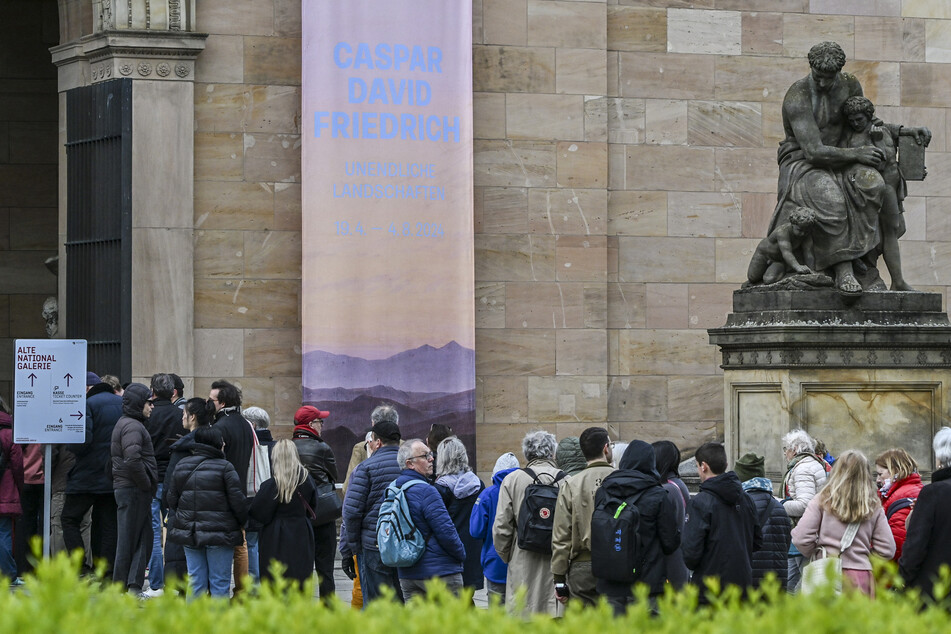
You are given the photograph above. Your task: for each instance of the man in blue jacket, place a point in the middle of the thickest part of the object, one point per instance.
(480, 527)
(361, 507)
(444, 552)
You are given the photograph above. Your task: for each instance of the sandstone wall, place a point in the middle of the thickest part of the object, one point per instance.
(624, 170)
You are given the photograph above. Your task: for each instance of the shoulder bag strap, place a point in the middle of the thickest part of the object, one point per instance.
(849, 536)
(531, 472)
(311, 514)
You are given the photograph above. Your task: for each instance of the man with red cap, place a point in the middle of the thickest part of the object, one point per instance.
(318, 458)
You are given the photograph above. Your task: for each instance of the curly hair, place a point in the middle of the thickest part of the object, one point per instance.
(539, 445)
(802, 217)
(857, 105)
(827, 57)
(799, 442)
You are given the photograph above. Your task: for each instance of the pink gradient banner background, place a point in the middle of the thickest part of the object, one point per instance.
(390, 309)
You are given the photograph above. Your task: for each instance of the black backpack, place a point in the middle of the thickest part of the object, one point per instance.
(536, 515)
(616, 544)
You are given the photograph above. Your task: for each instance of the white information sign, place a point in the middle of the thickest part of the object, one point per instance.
(50, 391)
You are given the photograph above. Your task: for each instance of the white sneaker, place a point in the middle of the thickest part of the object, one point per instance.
(151, 594)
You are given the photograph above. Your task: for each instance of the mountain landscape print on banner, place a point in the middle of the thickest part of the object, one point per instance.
(427, 385)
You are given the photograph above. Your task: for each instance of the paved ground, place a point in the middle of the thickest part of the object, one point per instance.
(345, 588)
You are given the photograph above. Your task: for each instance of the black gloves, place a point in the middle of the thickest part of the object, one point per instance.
(348, 567)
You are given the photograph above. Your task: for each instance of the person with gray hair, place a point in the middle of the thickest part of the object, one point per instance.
(527, 569)
(260, 419)
(459, 488)
(928, 541)
(444, 553)
(805, 475)
(385, 413)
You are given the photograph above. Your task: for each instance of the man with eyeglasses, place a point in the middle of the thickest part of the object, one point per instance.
(444, 554)
(571, 532)
(361, 507)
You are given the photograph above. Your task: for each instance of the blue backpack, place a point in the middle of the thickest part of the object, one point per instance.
(401, 544)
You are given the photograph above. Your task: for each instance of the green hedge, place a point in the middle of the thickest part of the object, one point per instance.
(55, 600)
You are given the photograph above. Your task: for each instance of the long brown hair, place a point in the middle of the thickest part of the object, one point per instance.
(850, 492)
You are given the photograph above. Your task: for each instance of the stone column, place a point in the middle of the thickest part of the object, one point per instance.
(162, 67)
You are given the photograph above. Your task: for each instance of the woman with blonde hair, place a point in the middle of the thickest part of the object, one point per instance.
(847, 504)
(898, 487)
(284, 506)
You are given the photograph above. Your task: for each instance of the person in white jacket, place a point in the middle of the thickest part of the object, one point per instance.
(805, 475)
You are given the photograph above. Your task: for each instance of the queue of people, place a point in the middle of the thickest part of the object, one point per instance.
(585, 517)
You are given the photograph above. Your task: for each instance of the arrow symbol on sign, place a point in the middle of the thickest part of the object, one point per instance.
(77, 415)
(68, 376)
(32, 378)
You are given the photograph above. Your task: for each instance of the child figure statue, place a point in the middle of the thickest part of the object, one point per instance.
(775, 254)
(859, 112)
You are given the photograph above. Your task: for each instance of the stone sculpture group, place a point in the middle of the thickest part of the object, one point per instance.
(842, 174)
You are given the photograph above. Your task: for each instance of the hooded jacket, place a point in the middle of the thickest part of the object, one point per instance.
(459, 492)
(133, 459)
(315, 454)
(722, 533)
(208, 500)
(444, 552)
(659, 529)
(772, 556)
(90, 472)
(11, 482)
(480, 527)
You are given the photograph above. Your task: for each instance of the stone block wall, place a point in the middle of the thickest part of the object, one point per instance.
(625, 168)
(28, 174)
(248, 202)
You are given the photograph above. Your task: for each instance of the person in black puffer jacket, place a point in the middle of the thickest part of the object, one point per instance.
(135, 478)
(197, 412)
(659, 529)
(317, 456)
(210, 509)
(774, 523)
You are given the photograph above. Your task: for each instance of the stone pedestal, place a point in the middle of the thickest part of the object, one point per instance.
(867, 372)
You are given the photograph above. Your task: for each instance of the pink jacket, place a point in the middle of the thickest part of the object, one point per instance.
(821, 528)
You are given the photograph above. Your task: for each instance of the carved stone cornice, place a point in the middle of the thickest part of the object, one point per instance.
(153, 55)
(824, 329)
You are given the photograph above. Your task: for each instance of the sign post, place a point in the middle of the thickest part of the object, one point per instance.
(50, 402)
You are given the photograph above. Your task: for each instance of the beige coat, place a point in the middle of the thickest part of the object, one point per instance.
(527, 569)
(571, 533)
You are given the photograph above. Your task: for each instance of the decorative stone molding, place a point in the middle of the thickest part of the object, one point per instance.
(148, 55)
(157, 15)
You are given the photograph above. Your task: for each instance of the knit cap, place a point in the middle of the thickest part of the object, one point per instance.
(750, 466)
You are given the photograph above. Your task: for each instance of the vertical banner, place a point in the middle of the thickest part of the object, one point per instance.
(388, 279)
